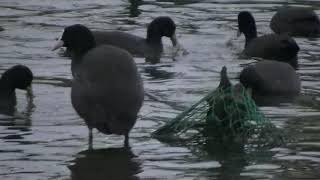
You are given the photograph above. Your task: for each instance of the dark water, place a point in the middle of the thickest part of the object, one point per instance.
(45, 139)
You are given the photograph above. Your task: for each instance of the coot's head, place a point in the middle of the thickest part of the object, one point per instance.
(18, 76)
(76, 38)
(247, 24)
(162, 26)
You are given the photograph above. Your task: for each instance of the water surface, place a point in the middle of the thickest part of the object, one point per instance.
(45, 138)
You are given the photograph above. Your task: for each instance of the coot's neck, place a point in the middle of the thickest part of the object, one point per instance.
(79, 51)
(154, 48)
(76, 61)
(154, 35)
(154, 40)
(6, 87)
(77, 55)
(250, 35)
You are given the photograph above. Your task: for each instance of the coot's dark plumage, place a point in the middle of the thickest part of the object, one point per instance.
(17, 77)
(150, 47)
(271, 78)
(272, 46)
(107, 90)
(296, 21)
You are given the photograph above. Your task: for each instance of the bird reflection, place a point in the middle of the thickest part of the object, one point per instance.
(235, 155)
(111, 163)
(230, 154)
(156, 73)
(134, 8)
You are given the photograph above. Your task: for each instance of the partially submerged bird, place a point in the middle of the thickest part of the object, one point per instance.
(272, 46)
(16, 77)
(150, 47)
(107, 90)
(296, 21)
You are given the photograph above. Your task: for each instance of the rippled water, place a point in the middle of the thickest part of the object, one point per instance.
(45, 139)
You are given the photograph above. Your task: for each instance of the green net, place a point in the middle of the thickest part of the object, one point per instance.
(223, 112)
